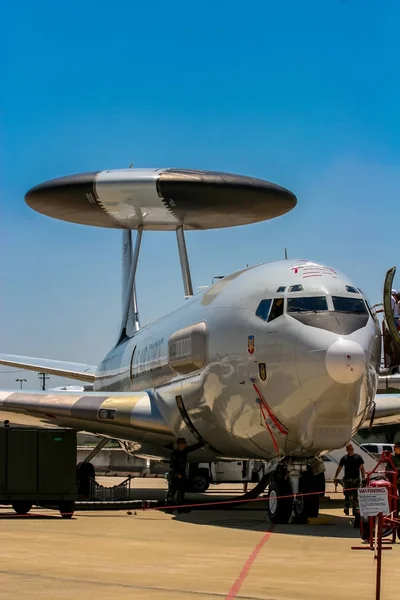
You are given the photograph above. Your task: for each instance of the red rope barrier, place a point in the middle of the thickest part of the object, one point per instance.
(198, 504)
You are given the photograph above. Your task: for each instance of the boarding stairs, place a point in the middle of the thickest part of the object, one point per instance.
(334, 456)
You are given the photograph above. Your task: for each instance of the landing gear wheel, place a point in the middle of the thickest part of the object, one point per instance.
(279, 505)
(307, 506)
(357, 521)
(365, 528)
(66, 509)
(300, 516)
(22, 507)
(199, 482)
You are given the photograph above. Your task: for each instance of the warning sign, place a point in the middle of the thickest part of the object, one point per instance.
(372, 501)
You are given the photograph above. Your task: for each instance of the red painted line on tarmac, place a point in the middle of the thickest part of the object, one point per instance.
(248, 564)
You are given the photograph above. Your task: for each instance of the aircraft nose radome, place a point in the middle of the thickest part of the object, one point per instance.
(345, 361)
(70, 199)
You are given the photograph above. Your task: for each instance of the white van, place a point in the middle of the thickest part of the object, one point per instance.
(377, 449)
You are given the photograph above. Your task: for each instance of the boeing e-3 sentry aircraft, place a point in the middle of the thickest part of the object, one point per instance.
(279, 362)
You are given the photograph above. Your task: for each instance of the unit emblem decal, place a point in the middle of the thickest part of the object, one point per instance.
(250, 344)
(262, 370)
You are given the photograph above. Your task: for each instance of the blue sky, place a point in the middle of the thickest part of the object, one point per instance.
(305, 94)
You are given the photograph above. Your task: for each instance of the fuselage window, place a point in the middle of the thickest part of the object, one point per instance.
(296, 288)
(349, 305)
(351, 289)
(313, 304)
(276, 310)
(281, 289)
(263, 309)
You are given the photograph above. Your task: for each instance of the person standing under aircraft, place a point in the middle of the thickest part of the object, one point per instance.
(353, 464)
(177, 475)
(396, 461)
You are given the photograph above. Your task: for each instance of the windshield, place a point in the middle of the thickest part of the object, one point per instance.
(349, 305)
(313, 304)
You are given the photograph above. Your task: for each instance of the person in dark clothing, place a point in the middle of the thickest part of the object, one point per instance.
(177, 475)
(353, 464)
(396, 461)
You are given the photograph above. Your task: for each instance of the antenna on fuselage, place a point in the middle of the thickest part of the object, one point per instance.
(285, 253)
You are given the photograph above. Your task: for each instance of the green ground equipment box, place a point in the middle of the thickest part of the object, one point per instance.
(38, 467)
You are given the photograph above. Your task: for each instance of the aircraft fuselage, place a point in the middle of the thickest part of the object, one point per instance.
(221, 369)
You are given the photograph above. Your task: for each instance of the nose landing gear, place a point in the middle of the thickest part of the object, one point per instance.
(295, 488)
(280, 500)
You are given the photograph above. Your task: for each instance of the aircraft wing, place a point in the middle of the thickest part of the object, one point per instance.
(52, 367)
(385, 412)
(130, 416)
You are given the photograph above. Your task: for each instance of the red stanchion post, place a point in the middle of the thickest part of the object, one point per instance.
(378, 556)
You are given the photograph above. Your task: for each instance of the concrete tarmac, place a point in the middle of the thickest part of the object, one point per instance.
(232, 554)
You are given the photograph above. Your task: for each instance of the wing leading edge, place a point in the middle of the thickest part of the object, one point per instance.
(132, 416)
(386, 410)
(52, 367)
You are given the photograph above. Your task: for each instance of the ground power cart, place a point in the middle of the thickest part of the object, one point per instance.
(38, 468)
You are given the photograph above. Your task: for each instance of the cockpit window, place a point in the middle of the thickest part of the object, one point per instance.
(296, 288)
(349, 305)
(281, 289)
(263, 309)
(313, 304)
(276, 310)
(352, 289)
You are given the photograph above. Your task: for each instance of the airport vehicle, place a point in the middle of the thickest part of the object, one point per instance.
(38, 467)
(377, 449)
(277, 362)
(201, 475)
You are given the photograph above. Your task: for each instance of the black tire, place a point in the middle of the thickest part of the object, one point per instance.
(279, 508)
(22, 507)
(398, 532)
(307, 506)
(387, 532)
(357, 521)
(199, 482)
(319, 484)
(66, 509)
(365, 528)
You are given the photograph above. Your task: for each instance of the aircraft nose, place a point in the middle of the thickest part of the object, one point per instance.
(345, 361)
